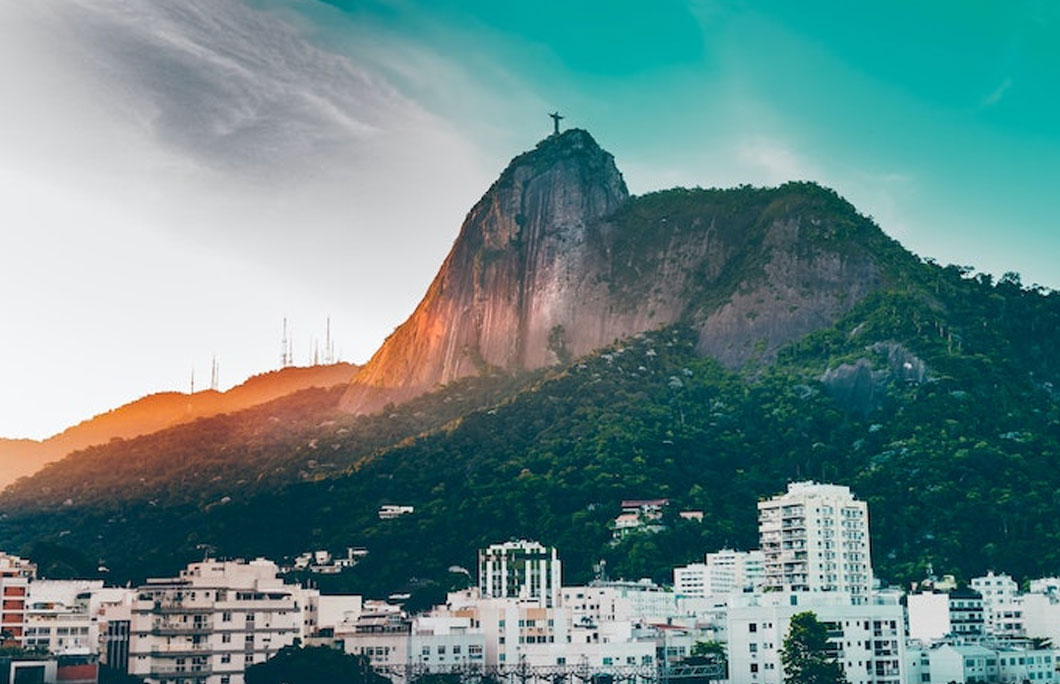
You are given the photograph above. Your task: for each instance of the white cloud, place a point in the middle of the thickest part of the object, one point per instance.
(178, 176)
(771, 162)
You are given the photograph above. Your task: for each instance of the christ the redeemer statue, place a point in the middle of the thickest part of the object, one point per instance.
(555, 122)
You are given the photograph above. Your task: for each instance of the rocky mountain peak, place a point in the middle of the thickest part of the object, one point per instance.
(556, 260)
(560, 185)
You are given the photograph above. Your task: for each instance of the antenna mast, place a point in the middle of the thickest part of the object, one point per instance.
(213, 374)
(285, 347)
(329, 351)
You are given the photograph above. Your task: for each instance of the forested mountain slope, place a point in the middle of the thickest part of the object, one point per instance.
(935, 401)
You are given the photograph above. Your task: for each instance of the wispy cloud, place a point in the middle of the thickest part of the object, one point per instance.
(207, 166)
(771, 161)
(998, 93)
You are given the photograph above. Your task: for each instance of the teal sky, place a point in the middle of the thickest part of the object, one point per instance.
(942, 120)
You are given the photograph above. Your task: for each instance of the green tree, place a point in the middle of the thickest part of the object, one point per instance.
(706, 652)
(805, 656)
(109, 675)
(313, 665)
(712, 650)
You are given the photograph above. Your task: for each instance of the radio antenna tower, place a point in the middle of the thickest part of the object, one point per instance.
(285, 347)
(192, 380)
(213, 374)
(329, 349)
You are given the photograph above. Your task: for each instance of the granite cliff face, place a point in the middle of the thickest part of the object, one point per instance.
(507, 281)
(557, 260)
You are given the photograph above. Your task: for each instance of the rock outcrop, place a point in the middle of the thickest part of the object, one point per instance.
(557, 260)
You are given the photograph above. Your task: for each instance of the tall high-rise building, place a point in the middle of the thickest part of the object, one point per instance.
(815, 538)
(521, 569)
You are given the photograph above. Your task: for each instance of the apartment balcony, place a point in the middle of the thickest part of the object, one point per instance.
(179, 607)
(182, 672)
(179, 628)
(174, 650)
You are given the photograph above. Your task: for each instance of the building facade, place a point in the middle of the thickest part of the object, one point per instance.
(724, 572)
(523, 570)
(867, 639)
(213, 621)
(815, 538)
(15, 576)
(1002, 604)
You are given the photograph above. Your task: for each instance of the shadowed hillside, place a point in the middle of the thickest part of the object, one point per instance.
(22, 457)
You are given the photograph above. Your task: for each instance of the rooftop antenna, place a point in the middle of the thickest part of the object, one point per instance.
(213, 374)
(555, 122)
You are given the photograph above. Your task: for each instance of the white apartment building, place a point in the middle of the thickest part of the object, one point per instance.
(735, 571)
(442, 643)
(1041, 616)
(213, 621)
(596, 604)
(15, 576)
(381, 637)
(647, 600)
(523, 570)
(333, 610)
(58, 616)
(929, 616)
(724, 572)
(1002, 604)
(512, 628)
(1018, 665)
(591, 654)
(933, 616)
(868, 638)
(963, 662)
(436, 643)
(815, 538)
(1044, 585)
(693, 580)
